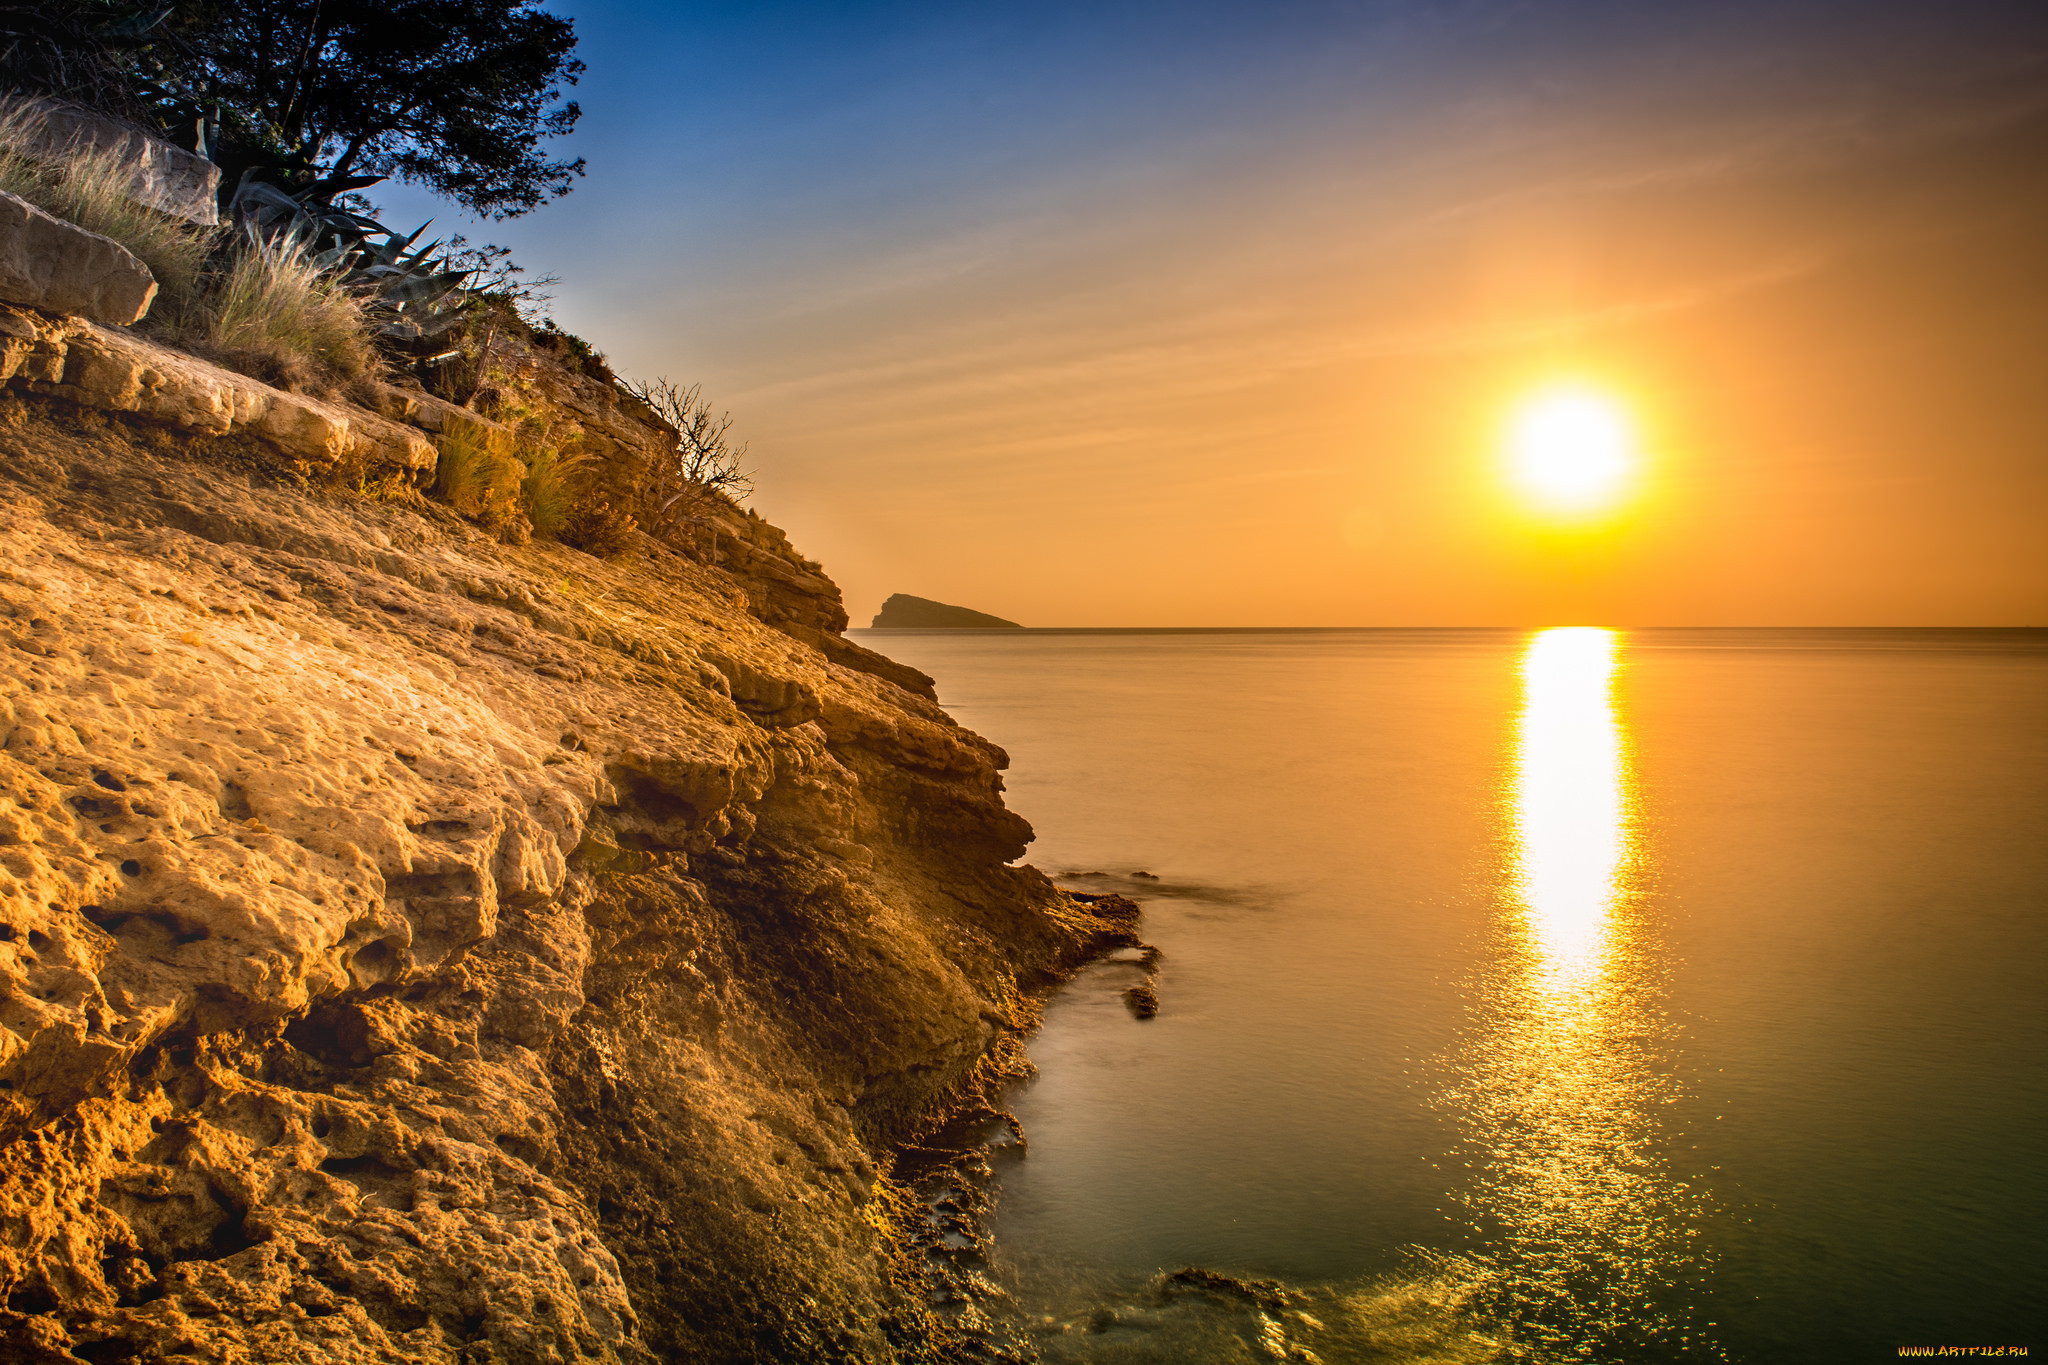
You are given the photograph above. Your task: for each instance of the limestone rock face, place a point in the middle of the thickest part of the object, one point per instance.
(414, 948)
(50, 264)
(70, 359)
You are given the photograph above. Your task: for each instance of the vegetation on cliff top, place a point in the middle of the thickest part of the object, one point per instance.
(304, 106)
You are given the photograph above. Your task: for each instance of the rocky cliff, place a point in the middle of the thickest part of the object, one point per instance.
(416, 947)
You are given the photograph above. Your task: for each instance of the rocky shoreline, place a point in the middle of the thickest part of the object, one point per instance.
(420, 947)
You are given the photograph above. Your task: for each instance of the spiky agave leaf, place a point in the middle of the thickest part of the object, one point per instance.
(421, 289)
(409, 296)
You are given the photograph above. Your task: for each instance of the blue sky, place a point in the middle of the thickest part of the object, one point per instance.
(1219, 301)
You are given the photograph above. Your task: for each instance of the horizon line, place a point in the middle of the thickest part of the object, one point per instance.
(1312, 630)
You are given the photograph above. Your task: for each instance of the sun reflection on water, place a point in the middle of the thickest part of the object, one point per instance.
(1571, 834)
(1569, 1071)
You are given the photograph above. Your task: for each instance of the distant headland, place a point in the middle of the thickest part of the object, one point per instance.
(904, 612)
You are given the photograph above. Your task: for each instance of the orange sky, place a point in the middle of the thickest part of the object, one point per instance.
(1241, 355)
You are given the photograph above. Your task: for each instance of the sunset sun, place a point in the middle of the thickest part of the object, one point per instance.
(1571, 450)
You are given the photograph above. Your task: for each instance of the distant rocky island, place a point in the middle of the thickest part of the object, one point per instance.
(904, 612)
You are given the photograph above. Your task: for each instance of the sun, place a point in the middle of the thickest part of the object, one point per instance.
(1571, 450)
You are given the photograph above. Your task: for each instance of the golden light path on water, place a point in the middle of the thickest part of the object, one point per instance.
(1570, 829)
(1589, 1233)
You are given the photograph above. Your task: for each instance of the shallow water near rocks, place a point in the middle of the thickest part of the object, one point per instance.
(1571, 995)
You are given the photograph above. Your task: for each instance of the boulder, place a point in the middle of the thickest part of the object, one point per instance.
(168, 179)
(59, 267)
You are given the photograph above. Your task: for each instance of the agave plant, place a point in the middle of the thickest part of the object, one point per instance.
(410, 297)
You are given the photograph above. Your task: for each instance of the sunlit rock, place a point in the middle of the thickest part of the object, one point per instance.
(415, 947)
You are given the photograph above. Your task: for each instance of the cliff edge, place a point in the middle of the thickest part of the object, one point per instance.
(417, 947)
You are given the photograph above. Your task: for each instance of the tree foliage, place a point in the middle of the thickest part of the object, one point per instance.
(108, 54)
(459, 96)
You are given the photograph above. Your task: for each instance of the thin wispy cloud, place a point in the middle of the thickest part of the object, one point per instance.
(982, 282)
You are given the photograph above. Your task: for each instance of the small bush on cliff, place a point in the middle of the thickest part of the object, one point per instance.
(582, 356)
(477, 481)
(92, 188)
(599, 528)
(554, 490)
(704, 458)
(271, 311)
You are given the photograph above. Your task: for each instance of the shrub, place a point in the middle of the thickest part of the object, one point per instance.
(477, 481)
(92, 189)
(580, 355)
(600, 529)
(391, 486)
(552, 490)
(273, 312)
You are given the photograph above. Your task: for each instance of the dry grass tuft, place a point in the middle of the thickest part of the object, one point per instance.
(266, 310)
(554, 490)
(477, 481)
(274, 314)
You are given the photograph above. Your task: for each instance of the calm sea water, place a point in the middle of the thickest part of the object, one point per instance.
(1563, 995)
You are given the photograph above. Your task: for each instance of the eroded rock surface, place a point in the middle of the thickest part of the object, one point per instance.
(69, 359)
(414, 948)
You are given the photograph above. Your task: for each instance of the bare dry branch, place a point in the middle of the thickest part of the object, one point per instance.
(705, 458)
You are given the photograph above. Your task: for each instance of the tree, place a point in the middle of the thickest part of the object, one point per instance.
(102, 53)
(703, 460)
(458, 96)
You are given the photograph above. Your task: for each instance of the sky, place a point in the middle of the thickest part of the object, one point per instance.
(1220, 314)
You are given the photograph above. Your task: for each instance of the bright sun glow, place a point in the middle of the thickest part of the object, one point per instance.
(1571, 450)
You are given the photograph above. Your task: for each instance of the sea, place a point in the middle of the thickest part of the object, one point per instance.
(1572, 994)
